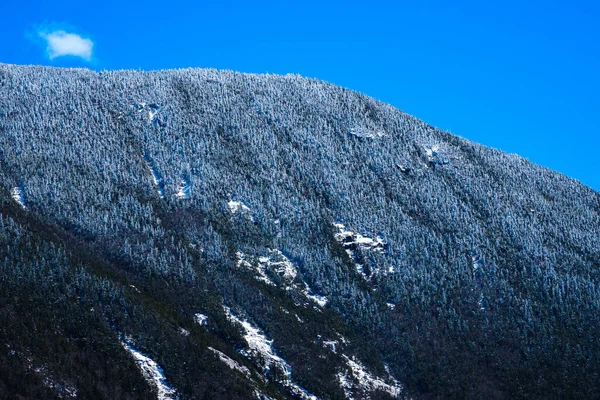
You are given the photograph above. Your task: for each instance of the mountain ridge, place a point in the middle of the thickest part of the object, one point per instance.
(445, 269)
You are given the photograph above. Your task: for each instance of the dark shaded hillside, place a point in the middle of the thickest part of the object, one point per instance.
(187, 218)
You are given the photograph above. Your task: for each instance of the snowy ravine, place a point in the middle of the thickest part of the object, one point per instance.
(366, 382)
(260, 349)
(153, 373)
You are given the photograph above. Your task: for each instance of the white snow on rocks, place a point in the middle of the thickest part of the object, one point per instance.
(320, 300)
(365, 382)
(352, 241)
(150, 109)
(235, 206)
(260, 349)
(200, 319)
(184, 332)
(230, 362)
(435, 155)
(242, 262)
(276, 263)
(279, 264)
(349, 240)
(238, 207)
(153, 373)
(431, 152)
(17, 196)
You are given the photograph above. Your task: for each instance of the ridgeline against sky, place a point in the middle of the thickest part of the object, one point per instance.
(518, 76)
(207, 234)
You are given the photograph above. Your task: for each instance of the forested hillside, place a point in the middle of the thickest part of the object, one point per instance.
(208, 234)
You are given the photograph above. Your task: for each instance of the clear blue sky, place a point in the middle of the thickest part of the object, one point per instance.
(522, 76)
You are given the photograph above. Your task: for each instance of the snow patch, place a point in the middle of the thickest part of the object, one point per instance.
(404, 167)
(261, 350)
(280, 264)
(150, 109)
(235, 206)
(391, 306)
(367, 133)
(476, 263)
(366, 381)
(152, 372)
(230, 362)
(185, 186)
(435, 156)
(239, 207)
(200, 319)
(320, 300)
(331, 344)
(17, 196)
(184, 332)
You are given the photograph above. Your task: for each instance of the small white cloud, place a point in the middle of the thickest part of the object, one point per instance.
(61, 43)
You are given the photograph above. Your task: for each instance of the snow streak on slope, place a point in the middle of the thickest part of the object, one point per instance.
(153, 373)
(231, 363)
(366, 382)
(156, 179)
(260, 349)
(275, 263)
(17, 195)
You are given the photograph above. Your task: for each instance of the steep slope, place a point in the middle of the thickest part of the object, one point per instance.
(200, 233)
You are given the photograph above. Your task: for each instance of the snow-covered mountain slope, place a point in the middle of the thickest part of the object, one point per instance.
(262, 236)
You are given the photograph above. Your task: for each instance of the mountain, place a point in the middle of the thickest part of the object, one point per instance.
(209, 234)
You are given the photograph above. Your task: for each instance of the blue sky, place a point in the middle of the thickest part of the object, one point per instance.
(519, 76)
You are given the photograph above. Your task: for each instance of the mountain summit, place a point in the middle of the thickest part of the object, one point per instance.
(209, 234)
